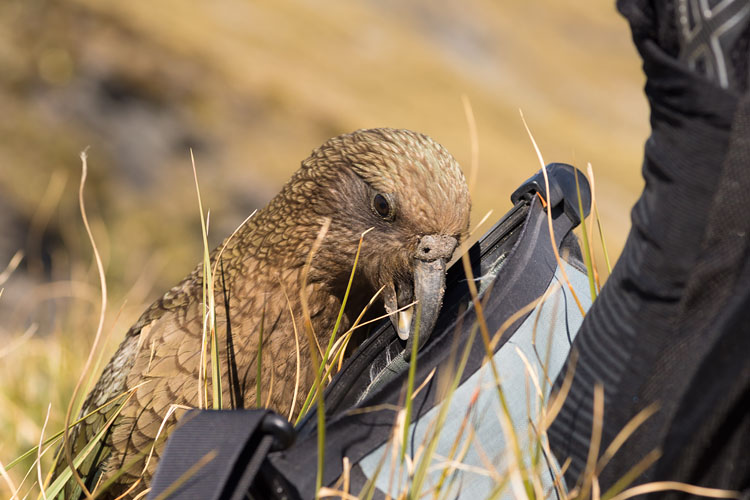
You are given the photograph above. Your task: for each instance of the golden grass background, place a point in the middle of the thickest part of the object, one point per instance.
(253, 87)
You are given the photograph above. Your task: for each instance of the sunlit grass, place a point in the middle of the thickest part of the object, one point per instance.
(327, 354)
(312, 342)
(209, 335)
(586, 243)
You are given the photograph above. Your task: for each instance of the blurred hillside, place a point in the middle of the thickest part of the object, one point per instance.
(253, 87)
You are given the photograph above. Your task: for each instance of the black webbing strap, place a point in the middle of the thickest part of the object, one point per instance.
(246, 479)
(216, 455)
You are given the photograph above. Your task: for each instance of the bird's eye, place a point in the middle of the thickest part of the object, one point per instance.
(382, 206)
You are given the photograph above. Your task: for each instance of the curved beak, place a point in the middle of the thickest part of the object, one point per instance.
(430, 261)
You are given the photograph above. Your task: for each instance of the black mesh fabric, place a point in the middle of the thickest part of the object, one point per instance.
(708, 438)
(665, 323)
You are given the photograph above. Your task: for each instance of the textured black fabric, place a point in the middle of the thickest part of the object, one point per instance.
(230, 437)
(654, 334)
(708, 441)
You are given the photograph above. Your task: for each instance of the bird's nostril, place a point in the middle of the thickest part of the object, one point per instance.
(435, 246)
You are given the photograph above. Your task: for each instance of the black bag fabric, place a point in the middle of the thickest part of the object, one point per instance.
(671, 324)
(514, 265)
(217, 454)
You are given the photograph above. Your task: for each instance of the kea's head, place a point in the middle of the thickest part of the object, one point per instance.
(411, 192)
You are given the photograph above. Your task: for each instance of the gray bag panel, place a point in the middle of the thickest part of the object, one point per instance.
(543, 339)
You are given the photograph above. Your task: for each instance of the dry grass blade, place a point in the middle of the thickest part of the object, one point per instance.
(67, 445)
(519, 314)
(172, 409)
(451, 464)
(357, 324)
(424, 383)
(479, 312)
(368, 490)
(458, 465)
(338, 346)
(259, 359)
(592, 211)
(474, 139)
(549, 217)
(590, 171)
(59, 483)
(700, 491)
(515, 462)
(331, 341)
(39, 453)
(474, 230)
(556, 471)
(341, 344)
(624, 434)
(394, 446)
(100, 487)
(229, 239)
(511, 438)
(298, 367)
(209, 309)
(556, 402)
(334, 493)
(202, 395)
(341, 486)
(596, 491)
(410, 380)
(391, 407)
(32, 470)
(15, 261)
(270, 389)
(346, 473)
(514, 448)
(531, 373)
(346, 297)
(8, 482)
(588, 250)
(560, 475)
(589, 473)
(137, 457)
(442, 413)
(139, 496)
(312, 341)
(475, 295)
(545, 363)
(374, 408)
(52, 439)
(631, 475)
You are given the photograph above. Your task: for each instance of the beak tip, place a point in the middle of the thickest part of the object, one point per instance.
(404, 326)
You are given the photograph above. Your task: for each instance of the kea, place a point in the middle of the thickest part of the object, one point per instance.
(402, 186)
